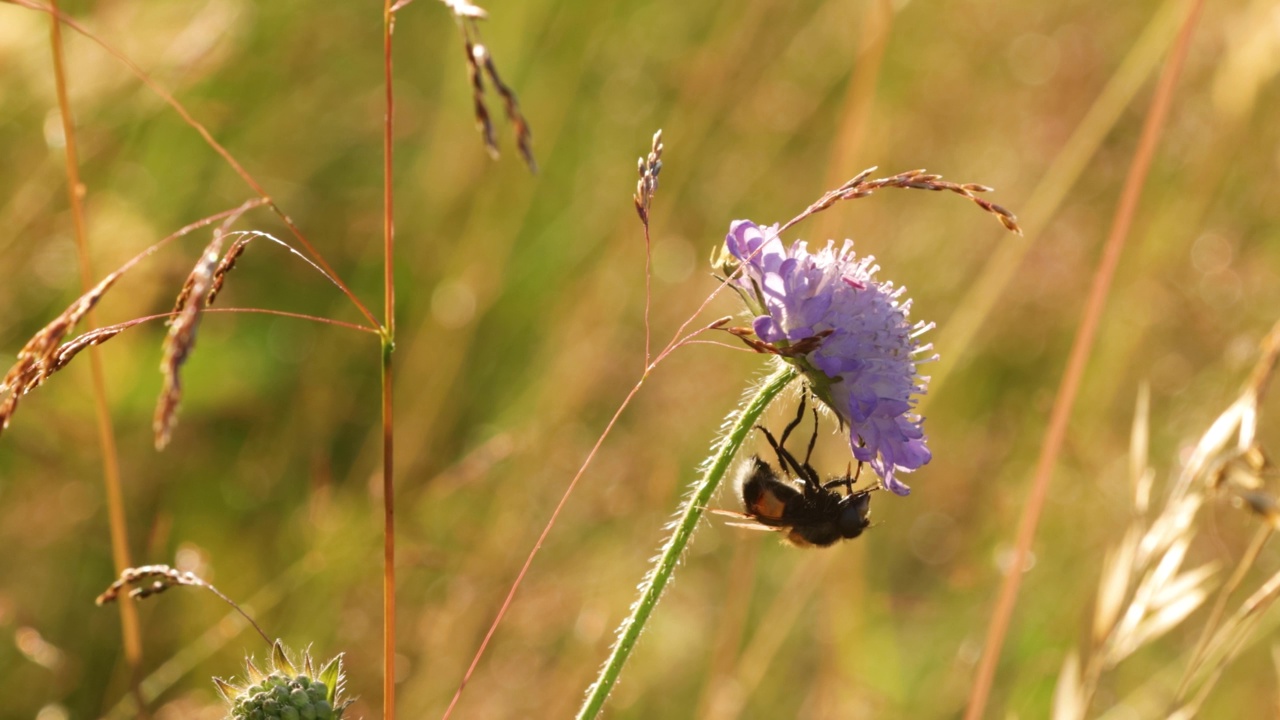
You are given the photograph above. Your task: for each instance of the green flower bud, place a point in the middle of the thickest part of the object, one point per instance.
(287, 691)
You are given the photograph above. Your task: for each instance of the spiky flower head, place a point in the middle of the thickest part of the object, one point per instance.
(286, 691)
(848, 333)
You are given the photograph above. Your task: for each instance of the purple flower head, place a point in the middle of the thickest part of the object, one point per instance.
(865, 367)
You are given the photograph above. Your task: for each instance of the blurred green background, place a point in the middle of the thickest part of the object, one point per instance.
(521, 330)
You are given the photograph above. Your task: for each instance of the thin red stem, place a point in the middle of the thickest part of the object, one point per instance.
(296, 316)
(1081, 348)
(679, 339)
(555, 514)
(260, 311)
(546, 530)
(648, 293)
(388, 346)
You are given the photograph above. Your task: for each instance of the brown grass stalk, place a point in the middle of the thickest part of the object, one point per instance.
(720, 687)
(785, 610)
(45, 353)
(1081, 349)
(117, 521)
(484, 122)
(957, 333)
(479, 63)
(198, 292)
(296, 316)
(209, 140)
(388, 345)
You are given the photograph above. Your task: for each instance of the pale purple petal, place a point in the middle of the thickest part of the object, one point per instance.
(869, 358)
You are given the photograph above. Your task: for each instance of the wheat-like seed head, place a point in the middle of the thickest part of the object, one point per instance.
(464, 9)
(161, 577)
(1144, 592)
(46, 353)
(479, 64)
(182, 337)
(859, 187)
(647, 185)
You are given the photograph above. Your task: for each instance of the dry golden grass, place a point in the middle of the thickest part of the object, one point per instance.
(520, 302)
(1145, 592)
(45, 353)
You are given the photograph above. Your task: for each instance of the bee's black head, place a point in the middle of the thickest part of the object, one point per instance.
(853, 514)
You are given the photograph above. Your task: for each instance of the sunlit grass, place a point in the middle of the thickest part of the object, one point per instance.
(521, 330)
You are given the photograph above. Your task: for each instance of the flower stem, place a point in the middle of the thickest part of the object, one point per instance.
(388, 346)
(690, 513)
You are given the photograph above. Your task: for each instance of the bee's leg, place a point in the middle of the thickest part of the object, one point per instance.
(782, 454)
(808, 474)
(848, 481)
(786, 432)
(785, 458)
(813, 440)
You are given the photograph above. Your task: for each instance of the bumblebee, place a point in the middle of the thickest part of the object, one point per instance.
(794, 501)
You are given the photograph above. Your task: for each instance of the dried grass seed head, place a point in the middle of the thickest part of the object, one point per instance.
(647, 185)
(182, 338)
(480, 63)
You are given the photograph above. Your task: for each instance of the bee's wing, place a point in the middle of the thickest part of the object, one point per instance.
(754, 526)
(730, 513)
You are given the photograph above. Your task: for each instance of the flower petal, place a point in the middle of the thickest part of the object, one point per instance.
(867, 363)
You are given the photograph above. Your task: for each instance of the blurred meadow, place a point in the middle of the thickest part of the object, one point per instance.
(521, 330)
